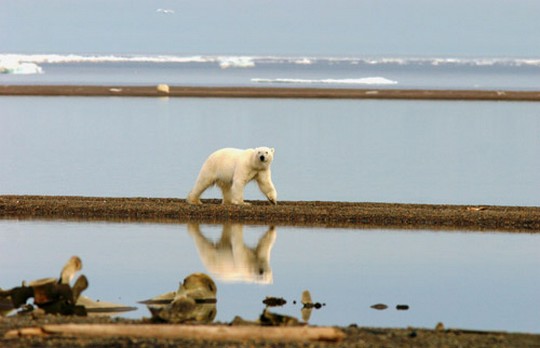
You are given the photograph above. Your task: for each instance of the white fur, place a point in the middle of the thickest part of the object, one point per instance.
(230, 259)
(231, 170)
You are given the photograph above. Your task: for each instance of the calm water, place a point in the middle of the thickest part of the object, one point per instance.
(261, 71)
(383, 151)
(465, 280)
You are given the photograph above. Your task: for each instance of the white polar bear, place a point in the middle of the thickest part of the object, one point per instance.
(231, 169)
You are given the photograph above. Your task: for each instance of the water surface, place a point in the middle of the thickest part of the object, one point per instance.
(486, 281)
(334, 150)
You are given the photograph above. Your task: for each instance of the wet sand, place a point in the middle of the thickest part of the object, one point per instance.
(266, 92)
(295, 213)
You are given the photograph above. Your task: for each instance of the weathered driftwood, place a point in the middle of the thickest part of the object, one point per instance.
(214, 333)
(193, 302)
(57, 296)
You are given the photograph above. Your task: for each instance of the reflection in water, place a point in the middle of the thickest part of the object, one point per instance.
(308, 305)
(230, 259)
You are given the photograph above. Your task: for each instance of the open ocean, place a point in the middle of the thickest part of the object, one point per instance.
(375, 44)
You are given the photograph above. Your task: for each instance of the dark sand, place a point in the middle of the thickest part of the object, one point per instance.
(354, 337)
(266, 92)
(303, 213)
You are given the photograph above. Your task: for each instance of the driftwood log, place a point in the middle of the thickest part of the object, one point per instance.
(204, 332)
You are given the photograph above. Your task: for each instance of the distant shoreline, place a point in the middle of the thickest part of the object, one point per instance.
(267, 92)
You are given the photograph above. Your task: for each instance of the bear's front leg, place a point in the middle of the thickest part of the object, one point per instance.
(264, 179)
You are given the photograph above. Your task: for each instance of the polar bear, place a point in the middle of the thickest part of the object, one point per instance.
(230, 259)
(231, 169)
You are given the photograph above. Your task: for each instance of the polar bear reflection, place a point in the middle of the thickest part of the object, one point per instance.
(230, 259)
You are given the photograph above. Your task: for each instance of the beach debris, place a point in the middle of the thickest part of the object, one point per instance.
(53, 295)
(5, 305)
(102, 308)
(480, 208)
(270, 301)
(379, 306)
(268, 318)
(163, 88)
(69, 270)
(56, 295)
(194, 301)
(193, 332)
(402, 307)
(115, 90)
(239, 321)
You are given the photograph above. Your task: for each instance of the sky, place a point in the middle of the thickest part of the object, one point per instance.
(507, 28)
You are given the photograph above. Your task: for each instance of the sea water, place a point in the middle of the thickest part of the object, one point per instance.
(334, 150)
(479, 281)
(272, 71)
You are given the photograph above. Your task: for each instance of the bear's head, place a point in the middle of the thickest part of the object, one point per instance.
(264, 156)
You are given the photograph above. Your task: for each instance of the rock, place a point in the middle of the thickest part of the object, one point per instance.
(163, 88)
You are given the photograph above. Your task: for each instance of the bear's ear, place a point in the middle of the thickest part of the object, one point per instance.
(272, 149)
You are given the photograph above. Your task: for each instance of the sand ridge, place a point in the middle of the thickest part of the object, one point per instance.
(294, 213)
(265, 92)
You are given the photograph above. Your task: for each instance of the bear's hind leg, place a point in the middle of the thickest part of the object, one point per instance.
(227, 194)
(201, 185)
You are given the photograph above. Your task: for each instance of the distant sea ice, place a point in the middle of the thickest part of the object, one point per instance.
(14, 66)
(359, 81)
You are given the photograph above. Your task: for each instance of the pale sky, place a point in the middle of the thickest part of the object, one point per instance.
(507, 28)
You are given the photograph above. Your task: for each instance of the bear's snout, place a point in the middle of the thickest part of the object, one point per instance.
(261, 158)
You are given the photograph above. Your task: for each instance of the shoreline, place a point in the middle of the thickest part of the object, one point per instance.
(67, 331)
(64, 331)
(266, 92)
(286, 213)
